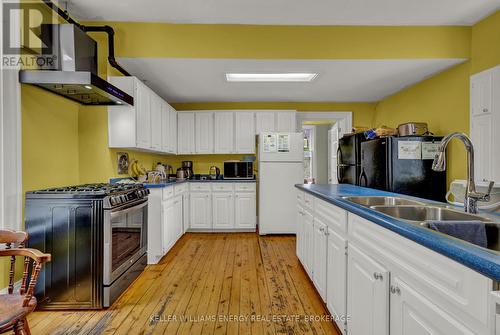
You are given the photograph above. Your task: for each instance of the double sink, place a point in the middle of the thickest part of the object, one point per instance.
(417, 212)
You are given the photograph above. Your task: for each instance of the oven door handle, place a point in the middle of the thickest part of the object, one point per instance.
(128, 209)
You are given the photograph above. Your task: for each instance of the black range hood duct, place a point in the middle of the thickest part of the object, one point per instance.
(73, 73)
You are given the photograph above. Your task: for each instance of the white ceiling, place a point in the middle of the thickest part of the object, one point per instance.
(289, 12)
(203, 80)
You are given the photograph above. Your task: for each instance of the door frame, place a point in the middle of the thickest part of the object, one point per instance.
(343, 118)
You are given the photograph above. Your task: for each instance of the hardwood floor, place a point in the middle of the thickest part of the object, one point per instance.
(209, 284)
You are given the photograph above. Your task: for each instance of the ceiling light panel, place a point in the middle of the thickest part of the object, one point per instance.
(271, 77)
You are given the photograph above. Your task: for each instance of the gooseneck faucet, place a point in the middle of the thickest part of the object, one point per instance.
(439, 164)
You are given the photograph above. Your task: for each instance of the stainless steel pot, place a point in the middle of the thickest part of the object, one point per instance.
(182, 174)
(413, 129)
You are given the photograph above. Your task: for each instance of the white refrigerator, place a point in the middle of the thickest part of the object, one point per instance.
(281, 166)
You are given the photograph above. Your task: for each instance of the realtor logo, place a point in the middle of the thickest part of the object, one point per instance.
(26, 43)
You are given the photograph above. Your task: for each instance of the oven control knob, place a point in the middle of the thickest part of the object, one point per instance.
(115, 200)
(123, 198)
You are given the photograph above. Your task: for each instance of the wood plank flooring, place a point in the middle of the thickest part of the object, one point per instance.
(209, 284)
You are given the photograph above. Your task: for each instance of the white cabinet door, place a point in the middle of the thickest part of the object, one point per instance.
(481, 131)
(286, 121)
(156, 122)
(223, 210)
(224, 132)
(481, 87)
(200, 208)
(299, 241)
(245, 132)
(143, 115)
(336, 288)
(172, 142)
(308, 243)
(185, 212)
(245, 210)
(204, 135)
(367, 295)
(165, 127)
(264, 122)
(320, 257)
(178, 224)
(413, 314)
(185, 132)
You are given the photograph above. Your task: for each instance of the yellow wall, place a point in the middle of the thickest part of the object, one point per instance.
(485, 51)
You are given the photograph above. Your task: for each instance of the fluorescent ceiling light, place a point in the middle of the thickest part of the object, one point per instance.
(270, 77)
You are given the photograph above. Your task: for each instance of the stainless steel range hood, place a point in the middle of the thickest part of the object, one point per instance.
(74, 71)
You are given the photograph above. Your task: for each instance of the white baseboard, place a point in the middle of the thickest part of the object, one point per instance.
(17, 287)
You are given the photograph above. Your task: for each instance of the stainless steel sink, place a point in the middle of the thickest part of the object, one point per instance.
(382, 201)
(424, 213)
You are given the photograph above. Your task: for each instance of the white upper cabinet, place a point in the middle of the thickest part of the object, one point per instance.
(245, 132)
(156, 122)
(286, 121)
(204, 135)
(224, 132)
(367, 295)
(165, 127)
(485, 124)
(264, 122)
(172, 142)
(185, 133)
(140, 126)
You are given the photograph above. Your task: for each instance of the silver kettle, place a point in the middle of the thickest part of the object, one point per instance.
(182, 174)
(214, 172)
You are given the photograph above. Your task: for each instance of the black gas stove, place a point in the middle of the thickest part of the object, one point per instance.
(97, 236)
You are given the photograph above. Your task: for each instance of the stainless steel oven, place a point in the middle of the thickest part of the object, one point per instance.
(125, 245)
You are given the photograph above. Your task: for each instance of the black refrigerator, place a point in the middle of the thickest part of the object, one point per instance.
(403, 165)
(349, 158)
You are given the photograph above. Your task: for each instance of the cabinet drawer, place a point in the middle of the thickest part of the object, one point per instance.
(168, 192)
(448, 284)
(300, 197)
(179, 189)
(222, 187)
(333, 216)
(245, 187)
(308, 201)
(199, 187)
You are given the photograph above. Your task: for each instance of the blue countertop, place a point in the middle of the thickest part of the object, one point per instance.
(479, 259)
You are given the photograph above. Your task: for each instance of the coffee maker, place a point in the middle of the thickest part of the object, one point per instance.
(188, 167)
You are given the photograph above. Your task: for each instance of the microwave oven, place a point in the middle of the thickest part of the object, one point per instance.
(238, 170)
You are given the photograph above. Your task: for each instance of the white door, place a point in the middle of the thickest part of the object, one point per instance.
(320, 257)
(245, 132)
(336, 289)
(173, 130)
(224, 132)
(413, 314)
(308, 243)
(223, 210)
(200, 211)
(367, 295)
(300, 234)
(185, 133)
(245, 210)
(143, 116)
(286, 121)
(185, 211)
(165, 127)
(264, 122)
(178, 226)
(333, 144)
(156, 122)
(204, 135)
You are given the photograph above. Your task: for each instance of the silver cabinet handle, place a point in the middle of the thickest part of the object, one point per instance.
(395, 290)
(378, 276)
(327, 232)
(485, 110)
(322, 229)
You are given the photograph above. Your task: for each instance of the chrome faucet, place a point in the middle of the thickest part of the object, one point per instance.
(439, 164)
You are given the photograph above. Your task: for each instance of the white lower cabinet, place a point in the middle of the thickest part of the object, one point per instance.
(185, 212)
(367, 294)
(245, 215)
(223, 210)
(300, 234)
(177, 227)
(200, 210)
(336, 289)
(308, 243)
(320, 257)
(413, 314)
(168, 215)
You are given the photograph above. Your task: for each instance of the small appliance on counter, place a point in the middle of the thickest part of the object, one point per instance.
(214, 173)
(238, 170)
(188, 167)
(182, 174)
(97, 236)
(403, 165)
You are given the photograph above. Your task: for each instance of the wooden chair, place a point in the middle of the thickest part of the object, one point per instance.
(14, 307)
